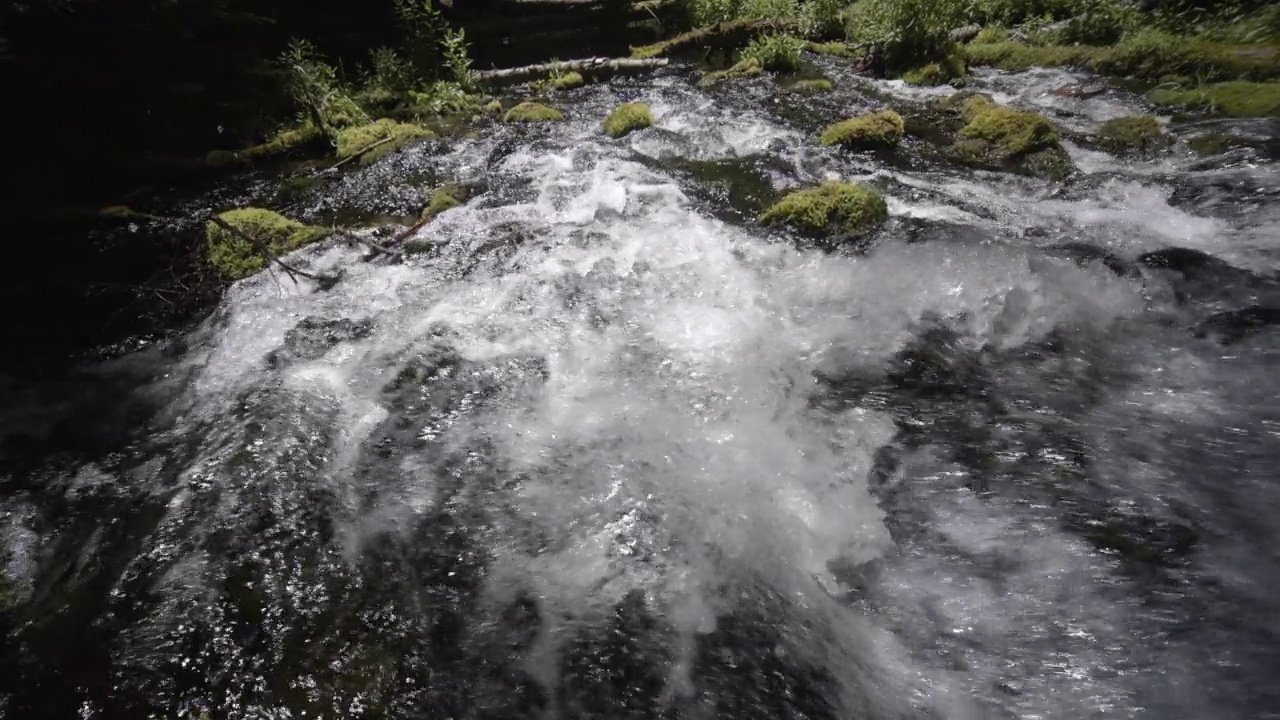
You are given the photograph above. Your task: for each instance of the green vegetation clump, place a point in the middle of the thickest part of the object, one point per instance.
(444, 198)
(910, 33)
(949, 68)
(881, 129)
(528, 112)
(1233, 99)
(832, 208)
(235, 257)
(494, 107)
(627, 117)
(566, 81)
(354, 139)
(750, 67)
(1020, 56)
(989, 35)
(778, 53)
(1013, 132)
(1151, 54)
(1140, 133)
(283, 142)
(838, 49)
(813, 85)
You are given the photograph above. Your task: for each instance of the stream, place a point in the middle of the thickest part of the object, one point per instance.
(611, 450)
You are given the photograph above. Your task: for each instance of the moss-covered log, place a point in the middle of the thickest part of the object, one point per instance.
(587, 67)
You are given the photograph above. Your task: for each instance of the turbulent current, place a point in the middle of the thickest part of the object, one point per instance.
(611, 450)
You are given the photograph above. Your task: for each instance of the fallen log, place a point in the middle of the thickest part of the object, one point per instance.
(588, 66)
(725, 35)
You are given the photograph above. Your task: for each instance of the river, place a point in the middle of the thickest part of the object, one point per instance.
(614, 451)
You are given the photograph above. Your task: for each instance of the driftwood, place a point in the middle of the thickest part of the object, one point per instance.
(324, 281)
(725, 35)
(588, 66)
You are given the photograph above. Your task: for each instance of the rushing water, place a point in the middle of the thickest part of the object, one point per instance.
(613, 451)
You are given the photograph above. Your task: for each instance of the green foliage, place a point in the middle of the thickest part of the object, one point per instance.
(748, 67)
(528, 112)
(1140, 133)
(235, 257)
(775, 52)
(821, 18)
(882, 129)
(708, 12)
(1017, 56)
(442, 97)
(565, 80)
(1233, 99)
(989, 35)
(315, 87)
(389, 72)
(1099, 22)
(911, 32)
(832, 208)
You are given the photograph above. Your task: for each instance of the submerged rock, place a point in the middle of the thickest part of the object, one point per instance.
(235, 257)
(1233, 326)
(1136, 134)
(831, 209)
(527, 112)
(881, 129)
(626, 118)
(1001, 138)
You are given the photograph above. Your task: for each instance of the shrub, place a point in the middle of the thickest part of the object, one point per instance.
(775, 52)
(436, 50)
(389, 72)
(1099, 22)
(315, 88)
(912, 32)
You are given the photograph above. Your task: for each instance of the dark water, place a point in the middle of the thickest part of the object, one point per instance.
(612, 451)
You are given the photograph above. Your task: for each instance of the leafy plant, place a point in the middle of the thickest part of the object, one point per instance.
(821, 18)
(389, 71)
(315, 87)
(436, 51)
(775, 52)
(911, 32)
(1099, 22)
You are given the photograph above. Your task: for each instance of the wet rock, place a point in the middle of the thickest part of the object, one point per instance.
(1079, 91)
(1139, 134)
(879, 130)
(1187, 261)
(832, 209)
(531, 112)
(1001, 138)
(627, 118)
(1233, 326)
(313, 337)
(1084, 254)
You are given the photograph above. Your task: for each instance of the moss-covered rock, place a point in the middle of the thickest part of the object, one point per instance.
(1139, 133)
(494, 107)
(390, 133)
(948, 69)
(283, 143)
(1233, 99)
(811, 86)
(567, 81)
(626, 118)
(881, 129)
(235, 257)
(832, 208)
(750, 67)
(444, 198)
(1012, 132)
(530, 112)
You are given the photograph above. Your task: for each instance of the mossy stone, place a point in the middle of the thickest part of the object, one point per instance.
(1233, 99)
(1014, 132)
(812, 86)
(567, 81)
(832, 208)
(1136, 134)
(626, 118)
(530, 112)
(942, 72)
(494, 107)
(354, 139)
(235, 257)
(749, 67)
(444, 198)
(881, 129)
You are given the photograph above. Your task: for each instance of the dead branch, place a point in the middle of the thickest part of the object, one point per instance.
(357, 155)
(588, 66)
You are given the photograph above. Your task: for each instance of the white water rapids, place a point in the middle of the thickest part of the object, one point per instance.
(609, 452)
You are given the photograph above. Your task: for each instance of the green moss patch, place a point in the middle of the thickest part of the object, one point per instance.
(811, 86)
(1019, 56)
(530, 112)
(1152, 54)
(235, 257)
(749, 67)
(395, 134)
(949, 68)
(280, 145)
(990, 35)
(832, 208)
(1014, 132)
(881, 129)
(626, 118)
(1140, 133)
(567, 81)
(1233, 99)
(445, 198)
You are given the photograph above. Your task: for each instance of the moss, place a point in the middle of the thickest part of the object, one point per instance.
(1013, 132)
(236, 258)
(626, 118)
(749, 67)
(494, 107)
(949, 68)
(837, 49)
(876, 130)
(965, 103)
(1214, 143)
(989, 35)
(284, 142)
(1018, 56)
(649, 51)
(532, 112)
(444, 198)
(1233, 99)
(293, 188)
(832, 208)
(1152, 54)
(812, 86)
(1140, 133)
(567, 81)
(354, 139)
